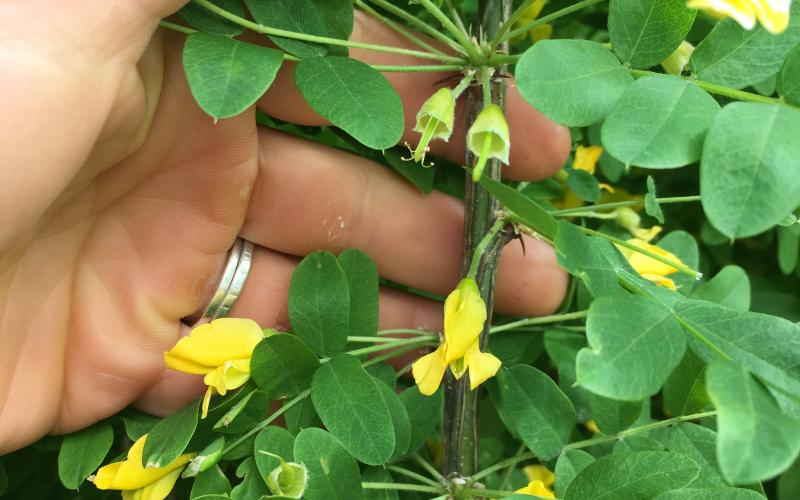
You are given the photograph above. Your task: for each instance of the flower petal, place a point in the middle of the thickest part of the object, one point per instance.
(130, 475)
(429, 370)
(539, 472)
(740, 11)
(213, 344)
(536, 488)
(161, 488)
(644, 264)
(464, 316)
(482, 366)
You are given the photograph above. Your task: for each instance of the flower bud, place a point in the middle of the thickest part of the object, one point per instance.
(677, 61)
(488, 137)
(288, 480)
(434, 121)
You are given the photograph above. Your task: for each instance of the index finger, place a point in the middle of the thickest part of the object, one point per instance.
(539, 147)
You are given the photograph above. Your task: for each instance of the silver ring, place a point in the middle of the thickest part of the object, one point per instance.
(230, 286)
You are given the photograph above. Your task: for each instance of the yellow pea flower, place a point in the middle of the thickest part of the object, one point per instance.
(541, 473)
(540, 32)
(586, 158)
(538, 489)
(221, 351)
(464, 316)
(772, 14)
(137, 482)
(648, 267)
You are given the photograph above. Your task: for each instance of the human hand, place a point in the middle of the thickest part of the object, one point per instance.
(120, 200)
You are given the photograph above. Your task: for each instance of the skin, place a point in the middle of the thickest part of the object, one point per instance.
(119, 199)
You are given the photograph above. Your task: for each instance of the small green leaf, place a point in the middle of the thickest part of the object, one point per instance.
(170, 436)
(645, 32)
(632, 476)
(750, 176)
(574, 82)
(584, 185)
(207, 458)
(569, 465)
(353, 410)
(277, 441)
(362, 280)
(755, 440)
(735, 57)
(210, 482)
(327, 18)
(788, 83)
(534, 409)
(700, 444)
(253, 485)
(685, 389)
(531, 213)
(332, 473)
(227, 76)
(245, 414)
(788, 483)
(720, 493)
(282, 365)
(651, 206)
(659, 122)
(424, 413)
(354, 97)
(319, 303)
(210, 23)
(301, 416)
(136, 423)
(82, 453)
(788, 247)
(730, 288)
(634, 344)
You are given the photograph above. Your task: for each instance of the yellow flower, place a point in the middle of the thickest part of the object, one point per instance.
(538, 489)
(586, 158)
(677, 61)
(648, 267)
(464, 316)
(540, 32)
(541, 473)
(772, 14)
(137, 482)
(221, 351)
(591, 425)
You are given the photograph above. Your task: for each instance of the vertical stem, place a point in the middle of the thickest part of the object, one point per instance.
(461, 403)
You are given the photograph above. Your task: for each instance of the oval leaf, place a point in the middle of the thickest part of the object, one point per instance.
(574, 82)
(282, 365)
(645, 32)
(82, 453)
(227, 76)
(750, 175)
(788, 83)
(353, 410)
(170, 436)
(659, 122)
(332, 473)
(354, 97)
(363, 281)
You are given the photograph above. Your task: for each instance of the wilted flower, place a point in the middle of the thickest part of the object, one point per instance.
(434, 121)
(677, 61)
(488, 137)
(772, 14)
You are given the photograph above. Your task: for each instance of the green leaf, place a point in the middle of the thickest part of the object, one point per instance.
(721, 493)
(207, 458)
(327, 18)
(637, 442)
(275, 440)
(755, 440)
(682, 245)
(659, 122)
(362, 280)
(353, 409)
(170, 436)
(699, 444)
(136, 423)
(210, 23)
(245, 415)
(422, 177)
(532, 214)
(651, 206)
(685, 389)
(424, 413)
(400, 421)
(253, 486)
(634, 344)
(766, 345)
(645, 32)
(574, 82)
(301, 416)
(282, 365)
(227, 76)
(319, 303)
(730, 288)
(383, 372)
(354, 97)
(332, 473)
(632, 476)
(211, 482)
(569, 464)
(788, 248)
(594, 260)
(750, 176)
(377, 475)
(82, 453)
(534, 409)
(788, 483)
(584, 185)
(788, 83)
(735, 57)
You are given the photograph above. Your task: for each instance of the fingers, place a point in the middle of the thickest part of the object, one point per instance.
(309, 197)
(539, 146)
